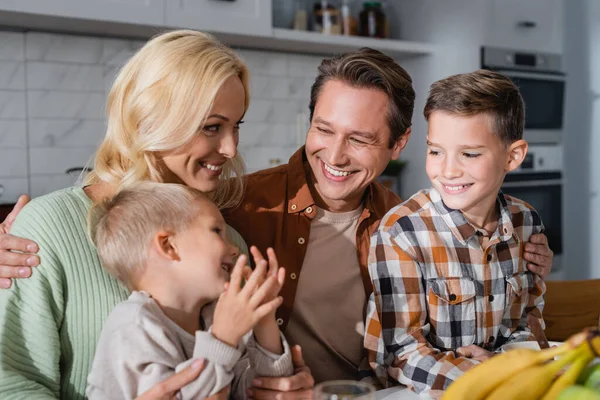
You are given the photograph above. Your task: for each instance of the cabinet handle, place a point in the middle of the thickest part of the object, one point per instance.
(526, 24)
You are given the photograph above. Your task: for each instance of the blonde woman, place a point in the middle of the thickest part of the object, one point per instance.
(174, 113)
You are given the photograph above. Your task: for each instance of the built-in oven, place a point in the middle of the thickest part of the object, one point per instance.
(541, 80)
(539, 182)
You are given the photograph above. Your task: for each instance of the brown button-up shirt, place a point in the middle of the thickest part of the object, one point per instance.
(277, 210)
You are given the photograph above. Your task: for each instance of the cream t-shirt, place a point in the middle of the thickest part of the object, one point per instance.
(328, 314)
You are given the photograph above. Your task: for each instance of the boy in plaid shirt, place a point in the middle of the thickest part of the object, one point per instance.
(450, 284)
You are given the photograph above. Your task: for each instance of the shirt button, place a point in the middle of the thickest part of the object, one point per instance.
(506, 231)
(452, 297)
(293, 276)
(279, 321)
(294, 207)
(301, 240)
(489, 257)
(491, 298)
(309, 210)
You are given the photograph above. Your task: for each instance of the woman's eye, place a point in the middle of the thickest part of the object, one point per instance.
(217, 230)
(434, 152)
(237, 126)
(212, 128)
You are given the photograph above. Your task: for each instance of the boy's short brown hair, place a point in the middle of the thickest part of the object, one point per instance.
(371, 69)
(481, 92)
(122, 228)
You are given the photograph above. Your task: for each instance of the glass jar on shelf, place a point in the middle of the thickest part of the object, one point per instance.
(326, 18)
(372, 20)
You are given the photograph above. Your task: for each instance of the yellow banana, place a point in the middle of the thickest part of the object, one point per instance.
(570, 376)
(478, 382)
(533, 382)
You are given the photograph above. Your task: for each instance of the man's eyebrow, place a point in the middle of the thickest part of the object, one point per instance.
(365, 134)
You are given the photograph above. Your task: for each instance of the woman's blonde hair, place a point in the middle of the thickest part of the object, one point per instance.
(157, 104)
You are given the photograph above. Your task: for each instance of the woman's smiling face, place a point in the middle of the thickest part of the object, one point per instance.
(199, 163)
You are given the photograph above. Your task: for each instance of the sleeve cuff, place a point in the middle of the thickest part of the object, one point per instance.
(266, 363)
(212, 349)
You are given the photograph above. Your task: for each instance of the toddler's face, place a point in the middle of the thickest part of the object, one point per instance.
(465, 161)
(206, 255)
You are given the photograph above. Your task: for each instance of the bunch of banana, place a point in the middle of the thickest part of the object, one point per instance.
(525, 374)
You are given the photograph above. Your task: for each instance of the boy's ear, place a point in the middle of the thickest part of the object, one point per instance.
(401, 144)
(516, 154)
(164, 245)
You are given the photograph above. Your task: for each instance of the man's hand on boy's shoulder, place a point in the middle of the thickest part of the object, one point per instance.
(538, 255)
(474, 352)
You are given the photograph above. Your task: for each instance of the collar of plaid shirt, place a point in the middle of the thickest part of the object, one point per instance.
(462, 229)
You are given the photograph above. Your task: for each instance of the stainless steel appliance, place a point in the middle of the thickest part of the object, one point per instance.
(539, 182)
(541, 80)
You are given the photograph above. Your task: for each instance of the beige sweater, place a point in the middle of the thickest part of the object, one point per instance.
(140, 346)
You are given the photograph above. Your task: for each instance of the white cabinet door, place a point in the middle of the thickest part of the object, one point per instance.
(251, 17)
(534, 25)
(142, 12)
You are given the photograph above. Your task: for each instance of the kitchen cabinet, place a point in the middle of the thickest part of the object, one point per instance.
(141, 12)
(248, 17)
(533, 25)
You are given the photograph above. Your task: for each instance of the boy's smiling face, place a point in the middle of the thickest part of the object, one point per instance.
(467, 162)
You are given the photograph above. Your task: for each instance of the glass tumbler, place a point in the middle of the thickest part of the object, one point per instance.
(344, 390)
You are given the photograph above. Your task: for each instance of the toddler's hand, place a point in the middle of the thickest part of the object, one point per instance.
(272, 271)
(240, 309)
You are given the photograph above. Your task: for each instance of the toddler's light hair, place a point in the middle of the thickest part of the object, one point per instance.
(123, 227)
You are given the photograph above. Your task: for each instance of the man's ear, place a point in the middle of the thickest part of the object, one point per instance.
(164, 245)
(516, 154)
(401, 143)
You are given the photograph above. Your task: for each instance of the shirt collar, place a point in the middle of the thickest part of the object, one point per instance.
(462, 229)
(375, 202)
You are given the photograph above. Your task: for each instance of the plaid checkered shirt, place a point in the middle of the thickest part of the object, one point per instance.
(435, 288)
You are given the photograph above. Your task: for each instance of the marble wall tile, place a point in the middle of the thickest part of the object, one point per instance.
(66, 133)
(262, 157)
(117, 52)
(12, 46)
(254, 134)
(64, 77)
(44, 184)
(265, 62)
(63, 48)
(12, 104)
(274, 111)
(52, 160)
(12, 188)
(269, 87)
(109, 73)
(13, 163)
(13, 133)
(12, 75)
(58, 104)
(303, 65)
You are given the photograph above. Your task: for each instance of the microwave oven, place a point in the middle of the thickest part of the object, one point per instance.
(541, 80)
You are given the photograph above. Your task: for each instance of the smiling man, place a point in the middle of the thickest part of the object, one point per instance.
(319, 211)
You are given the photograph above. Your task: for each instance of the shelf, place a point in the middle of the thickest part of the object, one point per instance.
(286, 40)
(317, 43)
(292, 41)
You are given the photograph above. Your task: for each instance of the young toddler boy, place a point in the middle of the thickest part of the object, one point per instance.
(449, 281)
(167, 244)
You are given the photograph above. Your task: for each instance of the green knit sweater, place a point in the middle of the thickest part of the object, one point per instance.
(50, 323)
